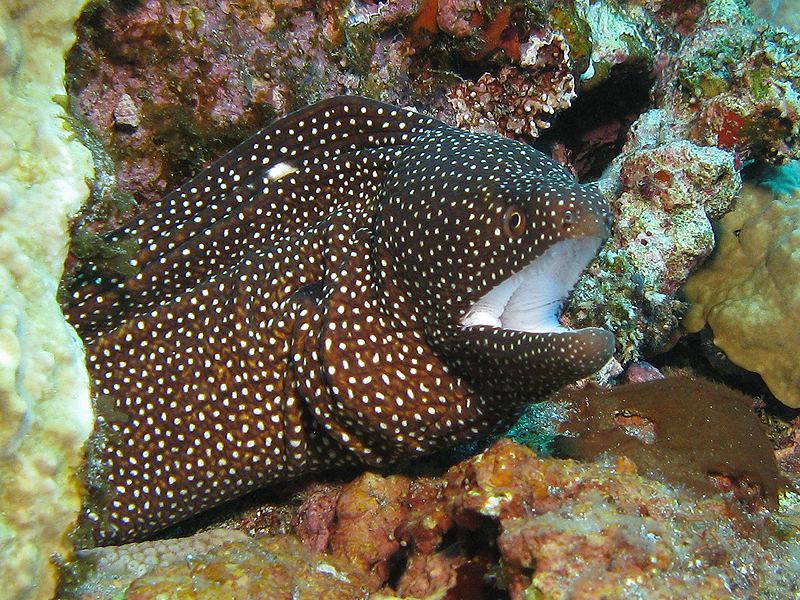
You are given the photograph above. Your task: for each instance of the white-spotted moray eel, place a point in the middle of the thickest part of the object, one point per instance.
(355, 283)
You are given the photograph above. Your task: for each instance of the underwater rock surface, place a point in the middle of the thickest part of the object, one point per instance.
(670, 190)
(504, 523)
(221, 565)
(45, 413)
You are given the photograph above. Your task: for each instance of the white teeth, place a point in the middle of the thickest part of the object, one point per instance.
(531, 299)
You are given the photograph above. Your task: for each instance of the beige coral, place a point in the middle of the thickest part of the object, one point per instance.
(44, 403)
(749, 293)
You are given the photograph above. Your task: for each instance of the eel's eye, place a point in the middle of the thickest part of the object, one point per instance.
(514, 221)
(569, 217)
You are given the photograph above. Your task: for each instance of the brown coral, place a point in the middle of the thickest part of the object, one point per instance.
(680, 429)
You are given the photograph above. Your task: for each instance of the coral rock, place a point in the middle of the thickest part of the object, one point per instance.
(736, 81)
(505, 523)
(45, 414)
(277, 568)
(367, 513)
(520, 100)
(570, 530)
(114, 568)
(749, 293)
(670, 191)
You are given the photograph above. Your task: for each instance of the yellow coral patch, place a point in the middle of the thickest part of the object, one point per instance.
(749, 292)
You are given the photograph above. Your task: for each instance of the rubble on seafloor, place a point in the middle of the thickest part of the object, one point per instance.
(503, 524)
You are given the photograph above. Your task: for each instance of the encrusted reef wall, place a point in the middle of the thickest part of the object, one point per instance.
(725, 92)
(45, 413)
(678, 95)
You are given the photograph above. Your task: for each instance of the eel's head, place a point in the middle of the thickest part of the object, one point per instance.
(486, 238)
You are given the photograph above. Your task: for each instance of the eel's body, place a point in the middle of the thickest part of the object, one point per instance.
(357, 282)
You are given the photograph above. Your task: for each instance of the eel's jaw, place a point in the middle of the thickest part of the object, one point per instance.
(531, 299)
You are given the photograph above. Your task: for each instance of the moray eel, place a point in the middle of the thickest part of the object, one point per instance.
(355, 284)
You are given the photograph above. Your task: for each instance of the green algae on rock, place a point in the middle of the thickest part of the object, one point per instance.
(45, 414)
(749, 292)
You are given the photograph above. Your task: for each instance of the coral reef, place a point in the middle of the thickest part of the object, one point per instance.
(727, 94)
(215, 565)
(502, 523)
(670, 192)
(45, 413)
(108, 572)
(216, 75)
(278, 568)
(520, 99)
(628, 37)
(749, 292)
(725, 91)
(735, 82)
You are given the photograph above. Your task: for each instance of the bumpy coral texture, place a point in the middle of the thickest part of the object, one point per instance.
(735, 81)
(669, 192)
(520, 99)
(749, 293)
(277, 568)
(503, 524)
(113, 569)
(44, 403)
(729, 93)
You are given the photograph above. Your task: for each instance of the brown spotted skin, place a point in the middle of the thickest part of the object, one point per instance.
(295, 307)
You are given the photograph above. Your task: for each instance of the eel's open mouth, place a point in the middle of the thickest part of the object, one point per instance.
(531, 300)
